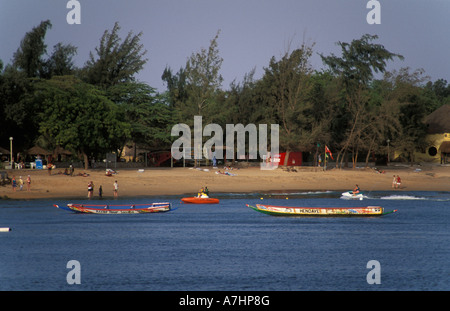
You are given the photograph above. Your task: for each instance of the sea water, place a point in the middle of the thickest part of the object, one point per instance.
(228, 246)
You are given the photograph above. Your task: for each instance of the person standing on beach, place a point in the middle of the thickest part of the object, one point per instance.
(28, 183)
(14, 183)
(90, 189)
(394, 182)
(116, 189)
(399, 181)
(20, 183)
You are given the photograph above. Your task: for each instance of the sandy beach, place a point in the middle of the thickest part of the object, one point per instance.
(187, 181)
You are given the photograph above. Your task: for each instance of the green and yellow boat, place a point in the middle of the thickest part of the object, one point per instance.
(320, 211)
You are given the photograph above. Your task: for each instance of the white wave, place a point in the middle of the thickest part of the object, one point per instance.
(309, 192)
(402, 197)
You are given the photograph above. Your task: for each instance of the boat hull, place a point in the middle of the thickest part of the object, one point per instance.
(118, 209)
(196, 200)
(319, 211)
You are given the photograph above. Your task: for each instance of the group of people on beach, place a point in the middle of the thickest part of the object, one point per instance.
(100, 190)
(19, 183)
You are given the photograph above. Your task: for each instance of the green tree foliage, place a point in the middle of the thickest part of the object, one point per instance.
(28, 57)
(79, 117)
(16, 88)
(411, 97)
(60, 62)
(360, 60)
(147, 112)
(116, 61)
(17, 116)
(101, 107)
(438, 94)
(202, 82)
(177, 93)
(242, 104)
(289, 80)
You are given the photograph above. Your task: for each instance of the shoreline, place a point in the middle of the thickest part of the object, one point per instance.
(153, 182)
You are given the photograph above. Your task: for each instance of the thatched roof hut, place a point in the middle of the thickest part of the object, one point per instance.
(36, 150)
(445, 147)
(438, 121)
(61, 151)
(4, 151)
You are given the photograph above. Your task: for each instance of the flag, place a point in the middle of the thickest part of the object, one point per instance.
(328, 151)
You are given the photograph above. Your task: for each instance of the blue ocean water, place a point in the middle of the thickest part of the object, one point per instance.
(228, 246)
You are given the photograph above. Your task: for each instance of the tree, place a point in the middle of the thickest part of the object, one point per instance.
(241, 105)
(324, 96)
(116, 61)
(60, 62)
(359, 61)
(355, 68)
(17, 107)
(177, 92)
(147, 112)
(289, 81)
(194, 90)
(203, 80)
(438, 94)
(410, 94)
(79, 117)
(28, 56)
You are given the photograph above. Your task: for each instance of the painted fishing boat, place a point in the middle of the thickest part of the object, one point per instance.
(320, 211)
(118, 209)
(200, 200)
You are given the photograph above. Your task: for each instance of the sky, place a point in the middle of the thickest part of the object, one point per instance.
(251, 31)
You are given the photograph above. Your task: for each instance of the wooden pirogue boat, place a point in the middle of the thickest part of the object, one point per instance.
(118, 209)
(320, 211)
(200, 200)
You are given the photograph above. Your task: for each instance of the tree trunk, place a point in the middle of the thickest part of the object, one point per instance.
(367, 157)
(368, 152)
(86, 160)
(354, 158)
(286, 158)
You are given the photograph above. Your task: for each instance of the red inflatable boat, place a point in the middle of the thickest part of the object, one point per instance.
(200, 200)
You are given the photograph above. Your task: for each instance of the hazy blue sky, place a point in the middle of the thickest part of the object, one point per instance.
(252, 31)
